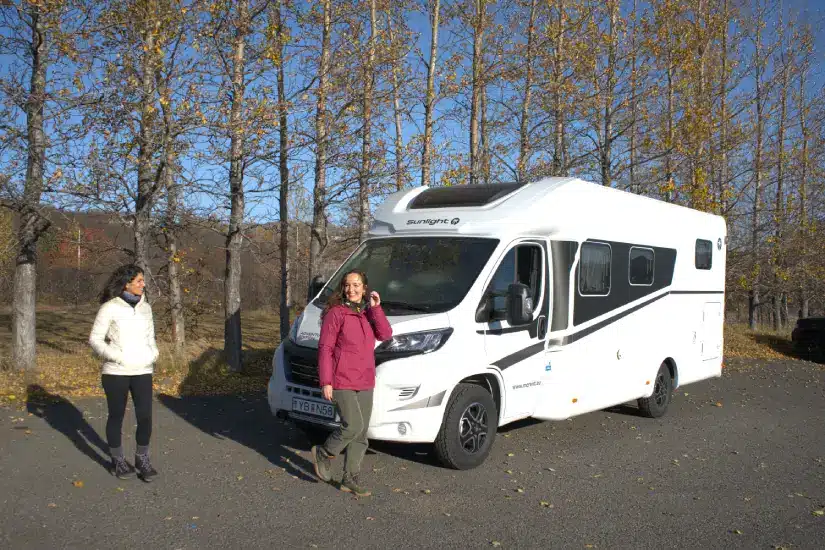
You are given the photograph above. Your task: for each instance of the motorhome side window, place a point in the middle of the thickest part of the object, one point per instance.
(704, 254)
(522, 264)
(641, 266)
(594, 269)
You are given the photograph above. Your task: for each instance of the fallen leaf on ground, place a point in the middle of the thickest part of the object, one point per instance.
(370, 518)
(496, 543)
(736, 532)
(511, 454)
(818, 512)
(52, 505)
(426, 491)
(546, 504)
(508, 471)
(519, 490)
(77, 483)
(718, 404)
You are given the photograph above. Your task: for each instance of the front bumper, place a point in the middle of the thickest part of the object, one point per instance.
(401, 411)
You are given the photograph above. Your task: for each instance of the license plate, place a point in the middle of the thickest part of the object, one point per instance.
(326, 410)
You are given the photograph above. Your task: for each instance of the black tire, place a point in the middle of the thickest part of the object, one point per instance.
(656, 405)
(468, 429)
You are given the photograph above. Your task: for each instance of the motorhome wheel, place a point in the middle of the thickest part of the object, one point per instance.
(656, 405)
(468, 428)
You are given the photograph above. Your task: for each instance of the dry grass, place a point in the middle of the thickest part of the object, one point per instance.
(67, 367)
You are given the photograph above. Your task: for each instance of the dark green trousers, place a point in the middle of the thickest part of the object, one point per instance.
(355, 408)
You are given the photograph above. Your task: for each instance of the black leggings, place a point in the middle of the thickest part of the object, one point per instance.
(117, 388)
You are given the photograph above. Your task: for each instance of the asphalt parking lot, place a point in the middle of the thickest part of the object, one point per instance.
(738, 462)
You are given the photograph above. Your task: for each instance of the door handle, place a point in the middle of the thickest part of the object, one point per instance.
(542, 327)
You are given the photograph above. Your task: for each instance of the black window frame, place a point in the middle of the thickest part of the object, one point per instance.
(499, 314)
(630, 265)
(581, 269)
(696, 256)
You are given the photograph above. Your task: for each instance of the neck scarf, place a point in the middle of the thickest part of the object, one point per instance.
(357, 307)
(129, 298)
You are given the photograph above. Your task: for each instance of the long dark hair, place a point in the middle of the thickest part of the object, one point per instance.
(118, 281)
(337, 297)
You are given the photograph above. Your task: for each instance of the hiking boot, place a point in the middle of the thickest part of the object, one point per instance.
(121, 469)
(322, 461)
(350, 485)
(145, 471)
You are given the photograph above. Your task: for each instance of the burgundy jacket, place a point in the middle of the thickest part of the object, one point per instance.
(346, 349)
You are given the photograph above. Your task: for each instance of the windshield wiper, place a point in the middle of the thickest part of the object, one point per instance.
(405, 305)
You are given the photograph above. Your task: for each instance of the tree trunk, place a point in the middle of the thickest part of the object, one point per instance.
(559, 160)
(524, 119)
(634, 110)
(429, 102)
(366, 144)
(32, 225)
(475, 108)
(669, 181)
(721, 191)
(779, 209)
(283, 169)
(484, 144)
(396, 109)
(606, 156)
(318, 240)
(173, 262)
(146, 182)
(232, 340)
(804, 299)
(753, 295)
(178, 325)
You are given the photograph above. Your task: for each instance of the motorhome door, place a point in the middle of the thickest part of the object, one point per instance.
(518, 351)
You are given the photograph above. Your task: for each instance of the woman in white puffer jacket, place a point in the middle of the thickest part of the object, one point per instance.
(124, 336)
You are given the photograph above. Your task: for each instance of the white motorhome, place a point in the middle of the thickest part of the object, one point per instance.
(546, 300)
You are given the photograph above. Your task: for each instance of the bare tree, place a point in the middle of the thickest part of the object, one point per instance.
(30, 16)
(318, 241)
(429, 100)
(366, 140)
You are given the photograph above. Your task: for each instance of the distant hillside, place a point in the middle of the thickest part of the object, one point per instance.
(81, 249)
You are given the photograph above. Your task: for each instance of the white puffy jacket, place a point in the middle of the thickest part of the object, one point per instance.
(125, 337)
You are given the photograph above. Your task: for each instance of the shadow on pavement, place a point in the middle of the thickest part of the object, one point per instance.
(66, 418)
(246, 419)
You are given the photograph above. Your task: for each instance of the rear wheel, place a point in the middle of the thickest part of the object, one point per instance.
(468, 428)
(656, 405)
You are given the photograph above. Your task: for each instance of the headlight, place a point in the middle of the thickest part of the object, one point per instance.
(293, 332)
(415, 342)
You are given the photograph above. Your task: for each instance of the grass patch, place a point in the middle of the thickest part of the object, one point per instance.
(743, 343)
(67, 367)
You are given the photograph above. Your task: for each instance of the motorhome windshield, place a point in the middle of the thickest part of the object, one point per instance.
(417, 274)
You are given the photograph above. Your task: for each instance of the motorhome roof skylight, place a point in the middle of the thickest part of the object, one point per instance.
(462, 195)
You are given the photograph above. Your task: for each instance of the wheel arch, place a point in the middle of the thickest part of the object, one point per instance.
(489, 381)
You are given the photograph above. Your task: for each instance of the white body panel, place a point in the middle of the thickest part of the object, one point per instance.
(606, 359)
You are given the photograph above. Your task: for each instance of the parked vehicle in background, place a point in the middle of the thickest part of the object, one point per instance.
(809, 338)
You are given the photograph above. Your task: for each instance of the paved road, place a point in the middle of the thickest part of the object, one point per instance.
(746, 473)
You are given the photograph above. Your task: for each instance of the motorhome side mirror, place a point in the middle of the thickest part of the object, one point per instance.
(316, 286)
(519, 305)
(484, 309)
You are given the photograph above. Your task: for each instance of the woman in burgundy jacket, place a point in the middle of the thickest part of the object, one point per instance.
(346, 367)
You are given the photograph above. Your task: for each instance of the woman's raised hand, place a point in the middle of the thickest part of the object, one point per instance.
(375, 299)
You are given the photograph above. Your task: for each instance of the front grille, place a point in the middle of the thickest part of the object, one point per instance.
(302, 371)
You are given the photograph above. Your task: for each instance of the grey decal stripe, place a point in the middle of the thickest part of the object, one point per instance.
(432, 401)
(521, 355)
(529, 351)
(570, 338)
